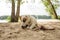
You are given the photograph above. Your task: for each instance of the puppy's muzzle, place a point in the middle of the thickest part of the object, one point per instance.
(24, 26)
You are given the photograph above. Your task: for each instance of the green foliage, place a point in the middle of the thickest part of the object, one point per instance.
(50, 8)
(55, 6)
(41, 16)
(56, 3)
(3, 17)
(45, 2)
(8, 18)
(59, 17)
(22, 2)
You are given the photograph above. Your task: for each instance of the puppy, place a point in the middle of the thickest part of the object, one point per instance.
(31, 23)
(28, 21)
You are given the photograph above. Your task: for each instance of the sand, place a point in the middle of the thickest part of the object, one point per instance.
(13, 31)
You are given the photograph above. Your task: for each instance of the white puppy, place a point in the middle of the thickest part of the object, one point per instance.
(31, 23)
(28, 21)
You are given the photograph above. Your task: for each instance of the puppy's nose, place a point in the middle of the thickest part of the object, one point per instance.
(24, 26)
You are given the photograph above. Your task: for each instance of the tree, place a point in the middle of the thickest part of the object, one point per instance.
(50, 8)
(14, 18)
(13, 11)
(18, 10)
(56, 3)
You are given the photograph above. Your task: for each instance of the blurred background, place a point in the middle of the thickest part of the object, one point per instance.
(40, 9)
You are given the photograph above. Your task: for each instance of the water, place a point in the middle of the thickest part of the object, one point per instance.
(39, 20)
(3, 21)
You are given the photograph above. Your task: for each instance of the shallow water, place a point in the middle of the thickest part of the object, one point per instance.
(3, 21)
(38, 20)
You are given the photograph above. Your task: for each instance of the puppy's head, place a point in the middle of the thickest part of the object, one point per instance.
(23, 18)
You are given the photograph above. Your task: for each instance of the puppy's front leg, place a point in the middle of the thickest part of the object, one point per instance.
(32, 26)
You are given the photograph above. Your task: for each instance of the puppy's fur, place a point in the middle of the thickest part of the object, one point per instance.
(31, 23)
(28, 21)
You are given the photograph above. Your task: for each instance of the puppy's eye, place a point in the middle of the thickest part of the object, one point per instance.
(24, 20)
